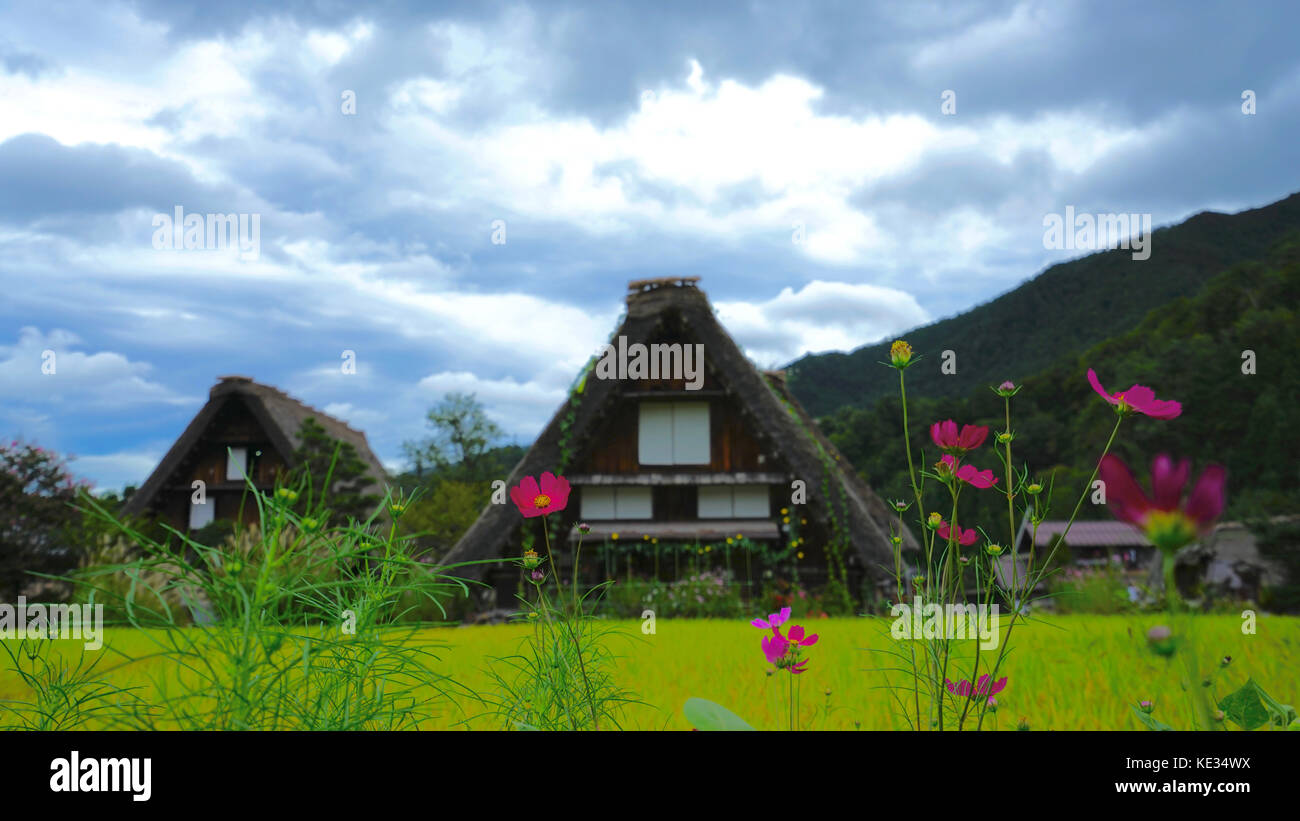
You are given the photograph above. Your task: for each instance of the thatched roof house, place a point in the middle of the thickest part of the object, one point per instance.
(681, 457)
(245, 429)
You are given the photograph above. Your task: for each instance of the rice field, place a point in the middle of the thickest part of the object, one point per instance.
(1070, 672)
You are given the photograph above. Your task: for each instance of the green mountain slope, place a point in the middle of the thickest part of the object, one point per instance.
(1190, 349)
(1066, 309)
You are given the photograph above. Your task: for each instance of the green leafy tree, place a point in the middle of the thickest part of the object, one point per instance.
(463, 438)
(334, 471)
(40, 530)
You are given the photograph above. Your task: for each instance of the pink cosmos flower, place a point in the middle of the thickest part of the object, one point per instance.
(965, 538)
(774, 648)
(970, 474)
(773, 621)
(797, 637)
(1165, 520)
(981, 687)
(1139, 399)
(781, 651)
(949, 440)
(534, 500)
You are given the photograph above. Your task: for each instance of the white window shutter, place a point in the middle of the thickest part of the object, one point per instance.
(655, 435)
(691, 433)
(633, 503)
(751, 502)
(203, 514)
(236, 464)
(597, 502)
(714, 502)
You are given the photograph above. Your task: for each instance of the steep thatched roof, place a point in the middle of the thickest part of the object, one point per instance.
(776, 418)
(279, 414)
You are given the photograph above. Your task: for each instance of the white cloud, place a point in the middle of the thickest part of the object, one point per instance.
(114, 471)
(821, 316)
(45, 368)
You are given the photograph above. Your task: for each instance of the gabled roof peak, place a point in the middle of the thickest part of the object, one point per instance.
(646, 296)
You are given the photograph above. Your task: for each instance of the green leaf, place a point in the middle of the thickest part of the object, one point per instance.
(1246, 708)
(705, 715)
(1280, 715)
(1149, 720)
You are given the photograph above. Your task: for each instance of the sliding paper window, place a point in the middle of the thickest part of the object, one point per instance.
(674, 433)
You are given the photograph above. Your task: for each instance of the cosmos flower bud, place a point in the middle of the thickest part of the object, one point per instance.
(900, 354)
(993, 549)
(531, 559)
(1034, 489)
(1005, 437)
(584, 528)
(934, 522)
(1160, 639)
(537, 575)
(1146, 707)
(288, 495)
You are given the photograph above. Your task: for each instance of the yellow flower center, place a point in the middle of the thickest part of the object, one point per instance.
(542, 501)
(1169, 530)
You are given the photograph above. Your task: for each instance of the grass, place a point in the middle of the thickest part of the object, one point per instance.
(1070, 672)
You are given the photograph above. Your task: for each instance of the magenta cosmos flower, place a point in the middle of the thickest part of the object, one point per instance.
(1164, 518)
(965, 538)
(981, 687)
(781, 651)
(1137, 399)
(533, 499)
(949, 440)
(969, 474)
(773, 621)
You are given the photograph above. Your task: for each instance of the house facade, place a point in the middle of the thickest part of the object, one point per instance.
(246, 432)
(720, 456)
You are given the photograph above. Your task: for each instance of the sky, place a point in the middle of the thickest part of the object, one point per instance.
(454, 196)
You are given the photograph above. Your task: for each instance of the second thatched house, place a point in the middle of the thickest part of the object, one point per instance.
(672, 436)
(247, 432)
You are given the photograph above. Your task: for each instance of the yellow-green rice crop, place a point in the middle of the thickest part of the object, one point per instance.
(1066, 673)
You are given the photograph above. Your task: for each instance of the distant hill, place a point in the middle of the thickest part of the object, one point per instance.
(1066, 309)
(1191, 349)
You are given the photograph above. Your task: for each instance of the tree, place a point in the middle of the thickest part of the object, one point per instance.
(40, 531)
(335, 472)
(463, 437)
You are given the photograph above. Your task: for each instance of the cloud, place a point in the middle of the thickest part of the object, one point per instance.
(821, 316)
(113, 471)
(797, 161)
(45, 369)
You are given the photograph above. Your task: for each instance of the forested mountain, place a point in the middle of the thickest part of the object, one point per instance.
(1193, 349)
(1065, 310)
